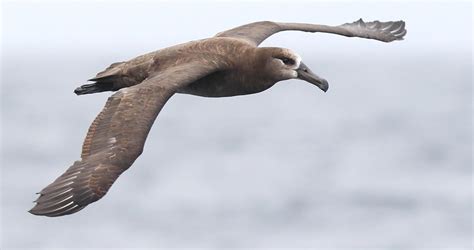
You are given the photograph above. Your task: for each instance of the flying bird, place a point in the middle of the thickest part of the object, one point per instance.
(228, 64)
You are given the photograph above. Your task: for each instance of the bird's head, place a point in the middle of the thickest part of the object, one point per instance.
(283, 64)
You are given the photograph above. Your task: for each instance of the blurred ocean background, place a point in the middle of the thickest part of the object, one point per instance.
(383, 160)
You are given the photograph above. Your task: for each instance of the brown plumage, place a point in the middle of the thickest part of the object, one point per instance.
(229, 64)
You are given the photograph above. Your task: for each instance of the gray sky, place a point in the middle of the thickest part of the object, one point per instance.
(99, 25)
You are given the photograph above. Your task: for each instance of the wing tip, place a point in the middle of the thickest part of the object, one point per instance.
(57, 202)
(400, 32)
(393, 30)
(35, 211)
(53, 211)
(389, 30)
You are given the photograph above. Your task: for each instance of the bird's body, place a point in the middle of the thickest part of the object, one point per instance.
(238, 75)
(229, 64)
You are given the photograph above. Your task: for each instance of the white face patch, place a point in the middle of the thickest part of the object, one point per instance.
(288, 62)
(112, 140)
(297, 59)
(293, 55)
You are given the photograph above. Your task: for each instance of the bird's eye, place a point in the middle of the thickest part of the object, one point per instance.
(288, 61)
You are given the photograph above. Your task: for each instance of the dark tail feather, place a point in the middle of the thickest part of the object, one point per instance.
(94, 88)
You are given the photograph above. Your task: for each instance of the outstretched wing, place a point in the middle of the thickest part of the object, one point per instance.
(257, 32)
(115, 140)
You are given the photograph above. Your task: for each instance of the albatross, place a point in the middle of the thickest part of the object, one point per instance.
(230, 63)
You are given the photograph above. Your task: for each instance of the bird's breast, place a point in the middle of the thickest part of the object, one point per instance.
(226, 83)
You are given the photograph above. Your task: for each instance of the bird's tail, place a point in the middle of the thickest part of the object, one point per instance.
(94, 88)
